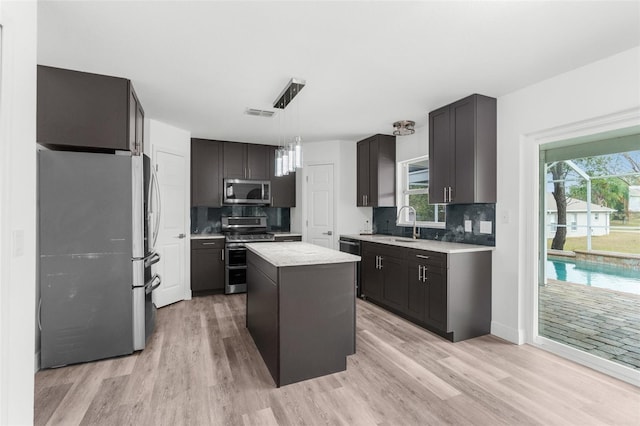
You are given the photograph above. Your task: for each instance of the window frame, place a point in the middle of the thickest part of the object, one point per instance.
(403, 193)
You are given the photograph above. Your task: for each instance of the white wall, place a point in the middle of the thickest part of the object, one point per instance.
(17, 211)
(413, 146)
(605, 87)
(348, 219)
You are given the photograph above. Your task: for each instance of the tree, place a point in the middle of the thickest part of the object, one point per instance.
(559, 172)
(610, 192)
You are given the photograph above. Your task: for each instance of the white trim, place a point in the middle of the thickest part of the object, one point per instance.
(529, 159)
(507, 333)
(402, 190)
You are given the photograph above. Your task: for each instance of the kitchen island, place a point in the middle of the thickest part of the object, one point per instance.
(301, 308)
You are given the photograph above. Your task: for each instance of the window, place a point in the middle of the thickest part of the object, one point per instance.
(415, 193)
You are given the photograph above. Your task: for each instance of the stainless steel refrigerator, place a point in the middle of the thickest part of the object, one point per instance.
(98, 221)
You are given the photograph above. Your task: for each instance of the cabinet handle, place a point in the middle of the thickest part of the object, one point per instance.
(380, 262)
(419, 272)
(444, 193)
(209, 244)
(422, 256)
(450, 195)
(222, 255)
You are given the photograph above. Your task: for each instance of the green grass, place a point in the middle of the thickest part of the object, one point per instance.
(620, 242)
(634, 220)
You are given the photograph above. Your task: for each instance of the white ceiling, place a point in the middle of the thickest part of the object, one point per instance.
(199, 65)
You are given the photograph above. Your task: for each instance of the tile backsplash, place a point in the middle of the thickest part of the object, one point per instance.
(476, 215)
(206, 220)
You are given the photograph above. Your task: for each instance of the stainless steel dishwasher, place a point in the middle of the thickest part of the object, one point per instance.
(352, 246)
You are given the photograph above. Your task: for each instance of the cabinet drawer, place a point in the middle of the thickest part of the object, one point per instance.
(438, 260)
(385, 250)
(208, 243)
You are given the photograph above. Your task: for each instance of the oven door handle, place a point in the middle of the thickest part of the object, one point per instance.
(153, 284)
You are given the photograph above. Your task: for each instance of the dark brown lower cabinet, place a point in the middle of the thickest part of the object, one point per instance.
(384, 270)
(371, 279)
(427, 294)
(302, 317)
(207, 265)
(449, 294)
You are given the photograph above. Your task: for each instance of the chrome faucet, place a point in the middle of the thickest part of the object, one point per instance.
(415, 234)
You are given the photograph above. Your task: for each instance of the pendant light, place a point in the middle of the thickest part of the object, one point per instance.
(288, 156)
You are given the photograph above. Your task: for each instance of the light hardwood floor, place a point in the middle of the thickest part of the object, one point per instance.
(201, 367)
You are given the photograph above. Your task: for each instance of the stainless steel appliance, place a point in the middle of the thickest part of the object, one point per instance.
(239, 231)
(352, 246)
(98, 222)
(244, 191)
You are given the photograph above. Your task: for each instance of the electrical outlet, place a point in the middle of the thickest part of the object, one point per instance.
(485, 227)
(467, 226)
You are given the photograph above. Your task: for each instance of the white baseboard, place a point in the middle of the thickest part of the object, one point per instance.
(513, 335)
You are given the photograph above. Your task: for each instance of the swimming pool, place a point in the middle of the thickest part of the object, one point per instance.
(601, 276)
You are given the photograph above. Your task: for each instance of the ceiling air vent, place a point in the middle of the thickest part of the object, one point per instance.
(259, 112)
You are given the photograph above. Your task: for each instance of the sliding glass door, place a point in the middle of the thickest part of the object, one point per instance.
(589, 268)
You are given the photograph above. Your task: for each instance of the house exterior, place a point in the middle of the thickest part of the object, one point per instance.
(577, 218)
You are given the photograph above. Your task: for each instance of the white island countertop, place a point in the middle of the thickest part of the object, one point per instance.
(421, 244)
(299, 254)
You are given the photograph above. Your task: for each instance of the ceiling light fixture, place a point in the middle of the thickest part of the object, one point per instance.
(404, 128)
(288, 156)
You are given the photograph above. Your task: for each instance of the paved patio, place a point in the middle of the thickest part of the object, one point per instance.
(603, 322)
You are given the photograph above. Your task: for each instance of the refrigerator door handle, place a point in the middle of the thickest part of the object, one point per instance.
(40, 314)
(156, 225)
(153, 284)
(152, 260)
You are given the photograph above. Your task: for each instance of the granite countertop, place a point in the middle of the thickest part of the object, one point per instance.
(299, 254)
(431, 245)
(205, 236)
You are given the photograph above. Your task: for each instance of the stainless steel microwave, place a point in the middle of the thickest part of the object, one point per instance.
(244, 191)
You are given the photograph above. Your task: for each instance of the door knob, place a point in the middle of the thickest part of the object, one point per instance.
(181, 236)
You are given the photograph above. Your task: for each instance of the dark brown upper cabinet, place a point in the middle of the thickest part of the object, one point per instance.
(283, 188)
(376, 172)
(88, 111)
(206, 177)
(246, 161)
(462, 152)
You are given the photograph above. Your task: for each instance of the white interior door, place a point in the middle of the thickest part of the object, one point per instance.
(320, 205)
(170, 169)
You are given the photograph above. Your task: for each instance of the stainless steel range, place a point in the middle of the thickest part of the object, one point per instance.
(239, 231)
